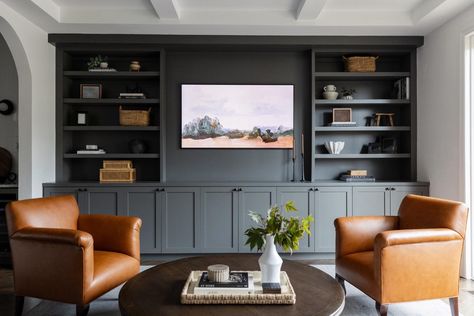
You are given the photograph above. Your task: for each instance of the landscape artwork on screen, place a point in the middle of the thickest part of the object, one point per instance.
(237, 116)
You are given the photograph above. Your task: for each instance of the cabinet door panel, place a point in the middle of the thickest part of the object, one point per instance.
(102, 201)
(304, 202)
(181, 220)
(257, 199)
(219, 209)
(145, 203)
(331, 203)
(397, 194)
(370, 201)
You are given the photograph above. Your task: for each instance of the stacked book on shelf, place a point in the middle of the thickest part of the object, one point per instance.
(402, 89)
(91, 150)
(102, 70)
(343, 124)
(132, 95)
(357, 176)
(238, 283)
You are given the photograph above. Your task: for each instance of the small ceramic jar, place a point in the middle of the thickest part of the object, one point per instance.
(135, 66)
(104, 65)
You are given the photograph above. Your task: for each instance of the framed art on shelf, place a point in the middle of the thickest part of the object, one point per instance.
(91, 91)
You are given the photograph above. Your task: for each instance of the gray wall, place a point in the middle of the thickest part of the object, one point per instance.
(9, 90)
(232, 68)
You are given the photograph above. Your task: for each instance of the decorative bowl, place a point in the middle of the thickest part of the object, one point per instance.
(334, 147)
(330, 95)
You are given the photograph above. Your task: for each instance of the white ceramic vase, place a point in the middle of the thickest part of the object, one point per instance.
(270, 262)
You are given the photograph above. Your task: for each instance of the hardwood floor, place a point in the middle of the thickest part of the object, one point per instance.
(7, 299)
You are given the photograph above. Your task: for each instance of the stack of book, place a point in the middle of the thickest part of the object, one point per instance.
(343, 124)
(402, 89)
(102, 70)
(132, 95)
(238, 283)
(91, 150)
(357, 176)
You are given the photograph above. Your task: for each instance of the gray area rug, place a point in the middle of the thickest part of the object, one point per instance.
(357, 304)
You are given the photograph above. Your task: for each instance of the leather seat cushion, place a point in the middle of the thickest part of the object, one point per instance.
(110, 270)
(358, 269)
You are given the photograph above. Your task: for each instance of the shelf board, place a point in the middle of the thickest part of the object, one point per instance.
(111, 74)
(110, 101)
(111, 128)
(360, 75)
(112, 156)
(363, 129)
(360, 101)
(361, 156)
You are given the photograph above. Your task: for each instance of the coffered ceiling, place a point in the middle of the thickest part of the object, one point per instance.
(238, 17)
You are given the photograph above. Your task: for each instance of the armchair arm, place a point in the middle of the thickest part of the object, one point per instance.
(427, 260)
(50, 263)
(113, 233)
(413, 236)
(357, 234)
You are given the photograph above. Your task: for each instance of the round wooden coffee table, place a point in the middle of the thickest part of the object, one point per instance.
(157, 291)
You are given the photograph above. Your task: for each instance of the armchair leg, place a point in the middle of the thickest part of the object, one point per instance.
(382, 309)
(453, 302)
(19, 302)
(82, 310)
(340, 280)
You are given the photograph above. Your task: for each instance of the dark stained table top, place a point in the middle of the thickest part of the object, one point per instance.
(157, 291)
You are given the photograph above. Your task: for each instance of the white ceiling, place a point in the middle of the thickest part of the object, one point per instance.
(241, 17)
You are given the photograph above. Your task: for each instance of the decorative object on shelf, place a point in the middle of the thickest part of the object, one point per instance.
(334, 148)
(369, 120)
(374, 148)
(379, 119)
(117, 172)
(389, 145)
(360, 63)
(134, 117)
(82, 118)
(357, 172)
(86, 151)
(97, 62)
(330, 92)
(401, 89)
(91, 91)
(92, 147)
(347, 94)
(275, 228)
(293, 160)
(6, 163)
(302, 158)
(6, 107)
(135, 66)
(133, 92)
(218, 273)
(137, 146)
(356, 178)
(342, 117)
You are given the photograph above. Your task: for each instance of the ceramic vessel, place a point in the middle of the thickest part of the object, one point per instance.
(334, 147)
(135, 66)
(270, 262)
(104, 65)
(330, 95)
(330, 88)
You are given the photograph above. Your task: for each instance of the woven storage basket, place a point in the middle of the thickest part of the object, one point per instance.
(117, 175)
(117, 164)
(360, 63)
(134, 117)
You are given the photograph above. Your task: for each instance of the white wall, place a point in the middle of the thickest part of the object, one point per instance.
(440, 144)
(34, 59)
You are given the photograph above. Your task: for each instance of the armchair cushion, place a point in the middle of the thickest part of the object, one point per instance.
(113, 233)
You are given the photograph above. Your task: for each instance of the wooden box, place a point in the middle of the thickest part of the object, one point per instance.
(117, 164)
(117, 175)
(134, 117)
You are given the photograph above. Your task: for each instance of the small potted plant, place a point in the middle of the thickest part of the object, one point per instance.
(276, 229)
(98, 62)
(347, 94)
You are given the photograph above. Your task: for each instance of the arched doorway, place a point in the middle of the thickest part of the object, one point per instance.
(24, 107)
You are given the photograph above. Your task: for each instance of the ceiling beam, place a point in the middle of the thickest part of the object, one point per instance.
(309, 9)
(166, 9)
(424, 9)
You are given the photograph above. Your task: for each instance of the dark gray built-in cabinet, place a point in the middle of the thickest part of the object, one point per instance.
(197, 201)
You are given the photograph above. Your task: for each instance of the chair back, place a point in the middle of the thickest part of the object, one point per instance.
(427, 212)
(51, 212)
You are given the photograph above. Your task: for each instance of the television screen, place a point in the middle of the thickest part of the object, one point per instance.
(236, 116)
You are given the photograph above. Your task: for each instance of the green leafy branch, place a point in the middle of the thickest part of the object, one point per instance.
(287, 231)
(94, 62)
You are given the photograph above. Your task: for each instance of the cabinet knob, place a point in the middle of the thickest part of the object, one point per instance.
(311, 189)
(316, 189)
(386, 189)
(234, 189)
(240, 189)
(393, 189)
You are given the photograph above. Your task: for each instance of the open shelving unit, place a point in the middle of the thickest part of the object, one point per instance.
(103, 128)
(374, 94)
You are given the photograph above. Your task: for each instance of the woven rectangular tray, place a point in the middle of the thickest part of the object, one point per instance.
(287, 295)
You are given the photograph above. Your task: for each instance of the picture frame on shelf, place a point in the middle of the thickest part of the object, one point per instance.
(90, 91)
(82, 117)
(342, 115)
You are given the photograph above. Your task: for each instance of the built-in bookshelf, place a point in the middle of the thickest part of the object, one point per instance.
(374, 94)
(103, 127)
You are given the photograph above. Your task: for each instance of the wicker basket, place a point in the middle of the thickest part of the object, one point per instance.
(360, 63)
(134, 117)
(117, 175)
(117, 164)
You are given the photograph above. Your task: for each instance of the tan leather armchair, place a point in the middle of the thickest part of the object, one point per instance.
(413, 256)
(61, 255)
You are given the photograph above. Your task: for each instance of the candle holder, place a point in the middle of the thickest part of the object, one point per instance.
(294, 171)
(302, 168)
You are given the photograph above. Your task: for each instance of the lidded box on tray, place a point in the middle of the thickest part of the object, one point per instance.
(117, 171)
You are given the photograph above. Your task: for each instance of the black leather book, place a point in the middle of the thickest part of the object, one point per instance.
(236, 280)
